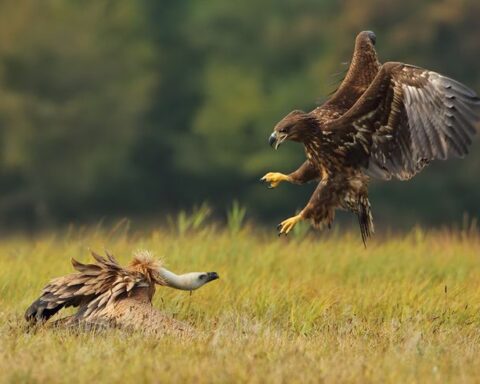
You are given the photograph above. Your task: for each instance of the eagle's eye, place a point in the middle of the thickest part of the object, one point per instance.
(283, 130)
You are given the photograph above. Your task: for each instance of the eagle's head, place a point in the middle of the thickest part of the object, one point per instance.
(296, 126)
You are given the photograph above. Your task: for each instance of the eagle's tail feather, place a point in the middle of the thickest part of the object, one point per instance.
(365, 219)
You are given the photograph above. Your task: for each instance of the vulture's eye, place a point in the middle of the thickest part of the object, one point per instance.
(201, 277)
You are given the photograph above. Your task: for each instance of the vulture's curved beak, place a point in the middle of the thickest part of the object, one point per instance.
(212, 276)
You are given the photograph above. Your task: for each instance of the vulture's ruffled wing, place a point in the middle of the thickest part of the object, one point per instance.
(93, 289)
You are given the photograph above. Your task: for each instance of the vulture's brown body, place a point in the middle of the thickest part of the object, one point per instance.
(384, 121)
(107, 294)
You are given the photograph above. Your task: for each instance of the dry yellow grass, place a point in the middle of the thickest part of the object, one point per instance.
(303, 309)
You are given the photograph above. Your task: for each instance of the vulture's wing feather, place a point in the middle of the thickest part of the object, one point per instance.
(92, 288)
(361, 72)
(407, 117)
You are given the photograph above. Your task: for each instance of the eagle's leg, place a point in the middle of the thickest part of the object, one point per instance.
(320, 208)
(274, 178)
(305, 173)
(287, 225)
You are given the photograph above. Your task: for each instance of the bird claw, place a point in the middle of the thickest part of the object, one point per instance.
(274, 178)
(287, 225)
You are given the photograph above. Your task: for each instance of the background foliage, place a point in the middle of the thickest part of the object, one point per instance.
(112, 108)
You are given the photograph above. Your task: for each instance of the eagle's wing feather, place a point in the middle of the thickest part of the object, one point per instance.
(93, 288)
(361, 72)
(407, 117)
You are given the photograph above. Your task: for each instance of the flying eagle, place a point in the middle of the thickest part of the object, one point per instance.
(108, 294)
(384, 121)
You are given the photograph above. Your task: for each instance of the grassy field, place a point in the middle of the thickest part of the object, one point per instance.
(304, 309)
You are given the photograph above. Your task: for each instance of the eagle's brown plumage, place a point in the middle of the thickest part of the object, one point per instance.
(385, 121)
(107, 294)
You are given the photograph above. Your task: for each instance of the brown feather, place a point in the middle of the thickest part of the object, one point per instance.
(385, 121)
(99, 289)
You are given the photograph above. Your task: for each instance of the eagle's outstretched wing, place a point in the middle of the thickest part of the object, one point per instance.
(407, 117)
(93, 289)
(361, 72)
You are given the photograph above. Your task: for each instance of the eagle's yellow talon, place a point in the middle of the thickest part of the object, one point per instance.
(274, 178)
(287, 225)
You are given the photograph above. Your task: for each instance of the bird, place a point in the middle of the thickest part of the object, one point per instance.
(110, 295)
(385, 121)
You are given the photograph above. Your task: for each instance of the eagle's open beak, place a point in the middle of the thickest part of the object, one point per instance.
(275, 140)
(212, 276)
(272, 140)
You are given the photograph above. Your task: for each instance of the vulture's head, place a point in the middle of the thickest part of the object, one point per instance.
(296, 126)
(145, 263)
(187, 281)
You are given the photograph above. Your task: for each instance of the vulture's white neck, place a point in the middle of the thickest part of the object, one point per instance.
(186, 281)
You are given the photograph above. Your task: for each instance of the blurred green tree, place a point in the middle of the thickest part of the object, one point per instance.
(119, 107)
(75, 80)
